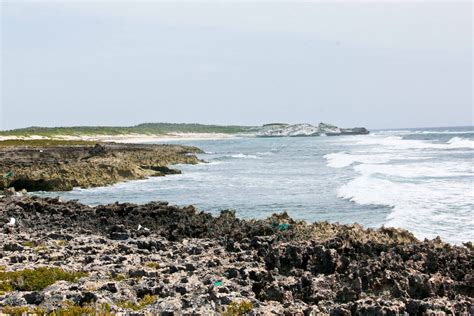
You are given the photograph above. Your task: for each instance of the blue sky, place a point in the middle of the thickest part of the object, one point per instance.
(380, 65)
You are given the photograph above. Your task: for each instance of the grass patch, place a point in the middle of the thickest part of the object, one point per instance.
(68, 309)
(29, 244)
(153, 265)
(147, 128)
(44, 143)
(145, 301)
(35, 280)
(40, 248)
(118, 277)
(22, 310)
(238, 308)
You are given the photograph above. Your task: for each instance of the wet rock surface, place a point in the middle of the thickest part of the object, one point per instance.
(192, 263)
(60, 168)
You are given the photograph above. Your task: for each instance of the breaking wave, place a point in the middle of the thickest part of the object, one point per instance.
(343, 159)
(245, 156)
(459, 142)
(430, 194)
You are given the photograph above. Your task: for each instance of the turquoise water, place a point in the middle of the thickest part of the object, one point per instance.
(421, 180)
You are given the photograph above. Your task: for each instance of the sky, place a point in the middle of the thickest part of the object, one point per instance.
(378, 65)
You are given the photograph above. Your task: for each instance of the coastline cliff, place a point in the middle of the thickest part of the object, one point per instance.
(62, 167)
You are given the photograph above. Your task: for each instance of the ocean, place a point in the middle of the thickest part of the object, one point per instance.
(418, 179)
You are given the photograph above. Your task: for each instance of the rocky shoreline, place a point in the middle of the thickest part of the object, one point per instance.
(162, 259)
(305, 130)
(60, 168)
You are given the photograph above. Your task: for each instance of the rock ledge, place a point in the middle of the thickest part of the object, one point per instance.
(162, 259)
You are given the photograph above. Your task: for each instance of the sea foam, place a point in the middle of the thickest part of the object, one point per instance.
(343, 159)
(424, 193)
(245, 156)
(459, 142)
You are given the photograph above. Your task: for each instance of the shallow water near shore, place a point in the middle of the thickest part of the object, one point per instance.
(419, 179)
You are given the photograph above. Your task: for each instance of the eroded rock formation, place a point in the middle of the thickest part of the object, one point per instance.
(61, 168)
(164, 259)
(295, 130)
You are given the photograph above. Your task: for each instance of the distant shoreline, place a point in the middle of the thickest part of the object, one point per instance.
(127, 138)
(150, 132)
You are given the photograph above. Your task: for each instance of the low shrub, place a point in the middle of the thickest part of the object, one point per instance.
(35, 279)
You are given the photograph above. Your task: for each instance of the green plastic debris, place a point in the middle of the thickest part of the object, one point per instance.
(283, 227)
(218, 283)
(9, 174)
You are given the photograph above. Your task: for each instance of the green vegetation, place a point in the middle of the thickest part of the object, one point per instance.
(238, 308)
(68, 309)
(35, 280)
(29, 244)
(44, 143)
(145, 301)
(147, 128)
(22, 310)
(118, 277)
(40, 247)
(151, 264)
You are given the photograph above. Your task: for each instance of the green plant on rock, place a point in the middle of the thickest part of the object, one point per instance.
(15, 310)
(71, 309)
(117, 277)
(148, 299)
(151, 264)
(35, 279)
(22, 310)
(238, 308)
(60, 242)
(29, 244)
(40, 247)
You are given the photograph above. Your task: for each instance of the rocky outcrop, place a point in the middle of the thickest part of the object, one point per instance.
(323, 129)
(354, 131)
(61, 168)
(162, 259)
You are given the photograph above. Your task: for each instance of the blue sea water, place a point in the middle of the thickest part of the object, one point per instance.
(418, 179)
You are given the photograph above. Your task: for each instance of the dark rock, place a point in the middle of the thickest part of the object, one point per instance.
(231, 273)
(87, 298)
(151, 245)
(97, 150)
(354, 131)
(273, 293)
(13, 247)
(181, 290)
(137, 273)
(190, 267)
(111, 287)
(34, 298)
(119, 235)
